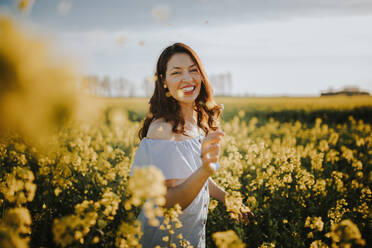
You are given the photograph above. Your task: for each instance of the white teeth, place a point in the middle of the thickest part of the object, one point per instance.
(188, 89)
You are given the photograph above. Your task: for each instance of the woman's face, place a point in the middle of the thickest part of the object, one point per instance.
(183, 78)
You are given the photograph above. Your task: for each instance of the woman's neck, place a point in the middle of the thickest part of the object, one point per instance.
(189, 114)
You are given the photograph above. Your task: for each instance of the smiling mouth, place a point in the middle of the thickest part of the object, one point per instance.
(188, 89)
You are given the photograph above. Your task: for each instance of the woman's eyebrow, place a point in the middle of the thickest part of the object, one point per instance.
(176, 67)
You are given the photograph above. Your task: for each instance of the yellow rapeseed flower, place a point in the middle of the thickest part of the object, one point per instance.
(227, 239)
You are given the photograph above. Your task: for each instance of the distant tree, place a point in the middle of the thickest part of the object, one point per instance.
(221, 83)
(132, 90)
(105, 84)
(89, 84)
(120, 86)
(148, 86)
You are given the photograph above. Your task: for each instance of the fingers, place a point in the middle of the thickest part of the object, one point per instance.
(245, 215)
(213, 147)
(243, 218)
(213, 137)
(210, 149)
(250, 214)
(210, 160)
(246, 209)
(211, 153)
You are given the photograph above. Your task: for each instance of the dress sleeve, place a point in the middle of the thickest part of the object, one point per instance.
(172, 159)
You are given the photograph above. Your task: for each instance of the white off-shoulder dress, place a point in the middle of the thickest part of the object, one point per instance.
(176, 160)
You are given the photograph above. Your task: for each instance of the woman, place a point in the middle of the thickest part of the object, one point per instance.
(181, 136)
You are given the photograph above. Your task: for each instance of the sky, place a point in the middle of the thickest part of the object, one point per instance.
(270, 47)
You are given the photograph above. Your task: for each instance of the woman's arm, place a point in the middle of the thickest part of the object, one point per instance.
(216, 191)
(186, 192)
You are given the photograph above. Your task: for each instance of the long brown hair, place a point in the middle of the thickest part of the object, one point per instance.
(164, 105)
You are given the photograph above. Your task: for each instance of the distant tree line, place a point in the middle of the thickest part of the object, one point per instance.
(348, 91)
(107, 87)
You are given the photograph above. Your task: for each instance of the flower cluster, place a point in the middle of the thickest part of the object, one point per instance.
(345, 234)
(74, 227)
(18, 187)
(233, 202)
(128, 235)
(227, 239)
(171, 223)
(314, 223)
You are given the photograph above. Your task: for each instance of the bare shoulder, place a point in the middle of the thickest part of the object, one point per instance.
(160, 129)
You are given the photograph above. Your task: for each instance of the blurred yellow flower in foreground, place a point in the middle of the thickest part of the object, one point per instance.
(121, 40)
(19, 220)
(9, 239)
(161, 13)
(24, 5)
(147, 184)
(38, 92)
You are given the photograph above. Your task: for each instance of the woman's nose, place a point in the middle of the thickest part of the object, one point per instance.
(187, 77)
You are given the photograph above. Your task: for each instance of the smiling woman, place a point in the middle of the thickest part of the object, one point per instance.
(181, 107)
(178, 69)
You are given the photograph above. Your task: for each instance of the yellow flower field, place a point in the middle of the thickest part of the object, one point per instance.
(301, 179)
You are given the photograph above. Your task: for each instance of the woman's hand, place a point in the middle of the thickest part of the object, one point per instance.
(245, 215)
(210, 150)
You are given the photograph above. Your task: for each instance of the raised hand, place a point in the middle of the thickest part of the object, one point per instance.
(210, 150)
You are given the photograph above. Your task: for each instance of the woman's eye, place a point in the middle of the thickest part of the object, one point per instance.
(195, 70)
(175, 73)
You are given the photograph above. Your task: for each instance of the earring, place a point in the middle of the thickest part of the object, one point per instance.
(165, 86)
